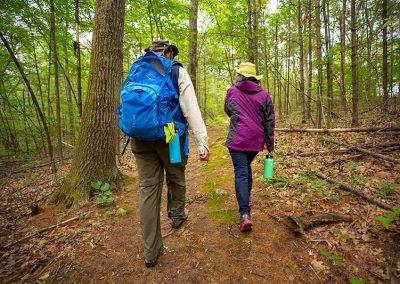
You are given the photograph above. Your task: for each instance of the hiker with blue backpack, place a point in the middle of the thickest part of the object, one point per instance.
(252, 123)
(158, 105)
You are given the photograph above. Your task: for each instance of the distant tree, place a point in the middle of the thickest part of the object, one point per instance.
(354, 79)
(95, 152)
(192, 66)
(319, 62)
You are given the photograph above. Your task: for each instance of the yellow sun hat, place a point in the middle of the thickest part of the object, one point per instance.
(248, 69)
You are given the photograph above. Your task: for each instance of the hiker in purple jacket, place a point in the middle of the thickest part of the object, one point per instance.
(252, 123)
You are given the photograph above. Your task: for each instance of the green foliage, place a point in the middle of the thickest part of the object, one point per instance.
(62, 239)
(63, 215)
(104, 192)
(354, 280)
(276, 181)
(337, 260)
(388, 218)
(351, 165)
(338, 232)
(386, 190)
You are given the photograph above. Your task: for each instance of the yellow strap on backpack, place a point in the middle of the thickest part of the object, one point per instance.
(170, 132)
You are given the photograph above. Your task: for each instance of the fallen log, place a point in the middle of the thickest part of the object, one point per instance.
(362, 150)
(301, 224)
(354, 157)
(336, 130)
(356, 191)
(391, 146)
(47, 229)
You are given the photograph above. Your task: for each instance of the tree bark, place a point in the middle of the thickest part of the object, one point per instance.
(329, 76)
(310, 67)
(53, 44)
(193, 42)
(34, 100)
(301, 61)
(95, 152)
(77, 50)
(354, 79)
(342, 24)
(318, 119)
(385, 57)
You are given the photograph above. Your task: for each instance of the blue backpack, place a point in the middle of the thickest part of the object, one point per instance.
(149, 100)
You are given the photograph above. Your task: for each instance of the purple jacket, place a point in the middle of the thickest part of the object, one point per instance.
(252, 118)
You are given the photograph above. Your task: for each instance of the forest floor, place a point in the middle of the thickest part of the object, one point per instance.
(105, 245)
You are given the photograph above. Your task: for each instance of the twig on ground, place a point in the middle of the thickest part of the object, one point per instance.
(47, 229)
(55, 275)
(230, 231)
(257, 274)
(169, 233)
(316, 274)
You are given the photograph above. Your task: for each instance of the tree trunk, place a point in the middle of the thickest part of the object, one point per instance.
(287, 96)
(53, 44)
(385, 58)
(301, 61)
(193, 42)
(68, 88)
(95, 152)
(310, 67)
(354, 82)
(34, 100)
(329, 62)
(342, 23)
(250, 31)
(77, 50)
(318, 119)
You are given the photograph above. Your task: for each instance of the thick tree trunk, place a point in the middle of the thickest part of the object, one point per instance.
(193, 42)
(318, 119)
(53, 44)
(34, 100)
(95, 152)
(77, 49)
(354, 81)
(385, 58)
(301, 61)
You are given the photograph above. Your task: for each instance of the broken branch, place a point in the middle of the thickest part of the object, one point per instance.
(362, 150)
(335, 130)
(356, 191)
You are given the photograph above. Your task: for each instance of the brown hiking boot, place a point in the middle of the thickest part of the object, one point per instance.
(178, 222)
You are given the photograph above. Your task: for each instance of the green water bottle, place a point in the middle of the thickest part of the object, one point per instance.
(268, 167)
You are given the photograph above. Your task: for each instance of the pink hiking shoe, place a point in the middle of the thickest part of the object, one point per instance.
(245, 222)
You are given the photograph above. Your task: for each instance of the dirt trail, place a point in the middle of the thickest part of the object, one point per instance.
(209, 248)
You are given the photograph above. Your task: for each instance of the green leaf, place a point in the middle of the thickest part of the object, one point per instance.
(325, 253)
(62, 239)
(102, 200)
(336, 231)
(105, 187)
(337, 260)
(96, 184)
(389, 218)
(355, 280)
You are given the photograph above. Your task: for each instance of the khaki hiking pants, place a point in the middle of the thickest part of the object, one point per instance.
(152, 158)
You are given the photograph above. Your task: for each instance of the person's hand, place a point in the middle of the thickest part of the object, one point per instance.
(205, 156)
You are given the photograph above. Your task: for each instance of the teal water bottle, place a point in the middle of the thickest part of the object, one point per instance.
(175, 151)
(268, 167)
